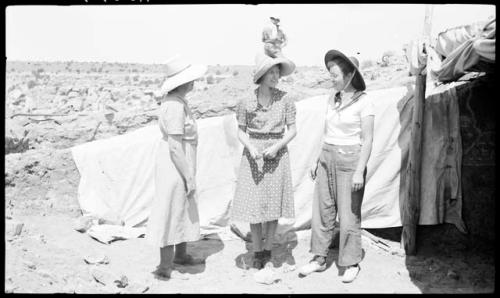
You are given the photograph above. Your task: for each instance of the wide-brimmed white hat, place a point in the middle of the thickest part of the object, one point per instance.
(264, 62)
(178, 72)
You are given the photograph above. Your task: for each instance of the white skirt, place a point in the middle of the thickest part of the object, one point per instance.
(174, 218)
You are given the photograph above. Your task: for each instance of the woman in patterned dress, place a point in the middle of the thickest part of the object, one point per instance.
(174, 213)
(266, 122)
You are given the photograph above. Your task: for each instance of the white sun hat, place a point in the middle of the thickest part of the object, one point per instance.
(263, 63)
(178, 72)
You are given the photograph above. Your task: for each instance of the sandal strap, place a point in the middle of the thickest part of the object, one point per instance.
(259, 254)
(315, 259)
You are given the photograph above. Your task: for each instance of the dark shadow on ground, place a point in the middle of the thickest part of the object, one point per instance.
(390, 234)
(448, 261)
(281, 253)
(201, 249)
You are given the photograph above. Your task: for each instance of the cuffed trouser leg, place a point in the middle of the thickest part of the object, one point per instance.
(324, 207)
(349, 208)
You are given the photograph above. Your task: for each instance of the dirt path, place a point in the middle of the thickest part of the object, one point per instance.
(48, 257)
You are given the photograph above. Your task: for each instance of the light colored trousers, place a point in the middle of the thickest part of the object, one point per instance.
(332, 196)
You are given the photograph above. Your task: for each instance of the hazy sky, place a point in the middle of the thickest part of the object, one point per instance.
(219, 34)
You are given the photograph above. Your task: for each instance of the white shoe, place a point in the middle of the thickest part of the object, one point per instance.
(313, 266)
(350, 273)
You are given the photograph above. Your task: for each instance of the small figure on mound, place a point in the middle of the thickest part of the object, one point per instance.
(274, 39)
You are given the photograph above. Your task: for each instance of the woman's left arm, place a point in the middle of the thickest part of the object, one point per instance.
(290, 133)
(366, 148)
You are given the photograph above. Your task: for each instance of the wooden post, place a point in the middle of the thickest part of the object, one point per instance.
(411, 201)
(428, 22)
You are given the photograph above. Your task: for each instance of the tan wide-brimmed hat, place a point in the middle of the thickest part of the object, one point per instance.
(178, 72)
(263, 63)
(358, 82)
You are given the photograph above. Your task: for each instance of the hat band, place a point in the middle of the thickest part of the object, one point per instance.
(180, 70)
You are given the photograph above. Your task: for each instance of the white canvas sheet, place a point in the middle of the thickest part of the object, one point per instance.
(117, 173)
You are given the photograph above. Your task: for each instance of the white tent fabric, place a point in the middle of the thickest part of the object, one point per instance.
(117, 173)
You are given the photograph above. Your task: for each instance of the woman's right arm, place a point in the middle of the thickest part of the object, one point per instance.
(241, 118)
(245, 140)
(314, 169)
(179, 159)
(315, 164)
(171, 121)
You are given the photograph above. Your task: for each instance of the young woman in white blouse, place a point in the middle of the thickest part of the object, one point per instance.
(341, 168)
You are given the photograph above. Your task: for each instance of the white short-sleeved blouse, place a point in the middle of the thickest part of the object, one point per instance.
(343, 125)
(175, 118)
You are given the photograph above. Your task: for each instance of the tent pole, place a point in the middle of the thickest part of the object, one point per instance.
(411, 202)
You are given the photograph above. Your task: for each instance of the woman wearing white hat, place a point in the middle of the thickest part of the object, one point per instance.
(341, 168)
(174, 213)
(266, 121)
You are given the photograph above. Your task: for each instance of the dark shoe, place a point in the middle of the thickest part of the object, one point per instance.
(266, 257)
(258, 260)
(188, 260)
(162, 272)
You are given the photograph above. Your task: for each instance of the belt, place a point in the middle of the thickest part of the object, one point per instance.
(269, 135)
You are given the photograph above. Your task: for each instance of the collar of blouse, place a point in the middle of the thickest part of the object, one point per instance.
(253, 103)
(180, 97)
(342, 99)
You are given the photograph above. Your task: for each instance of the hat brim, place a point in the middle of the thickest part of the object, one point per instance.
(189, 74)
(286, 68)
(358, 77)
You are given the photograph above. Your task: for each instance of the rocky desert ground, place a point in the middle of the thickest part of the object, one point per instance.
(52, 106)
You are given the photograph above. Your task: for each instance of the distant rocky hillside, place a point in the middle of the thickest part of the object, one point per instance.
(74, 97)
